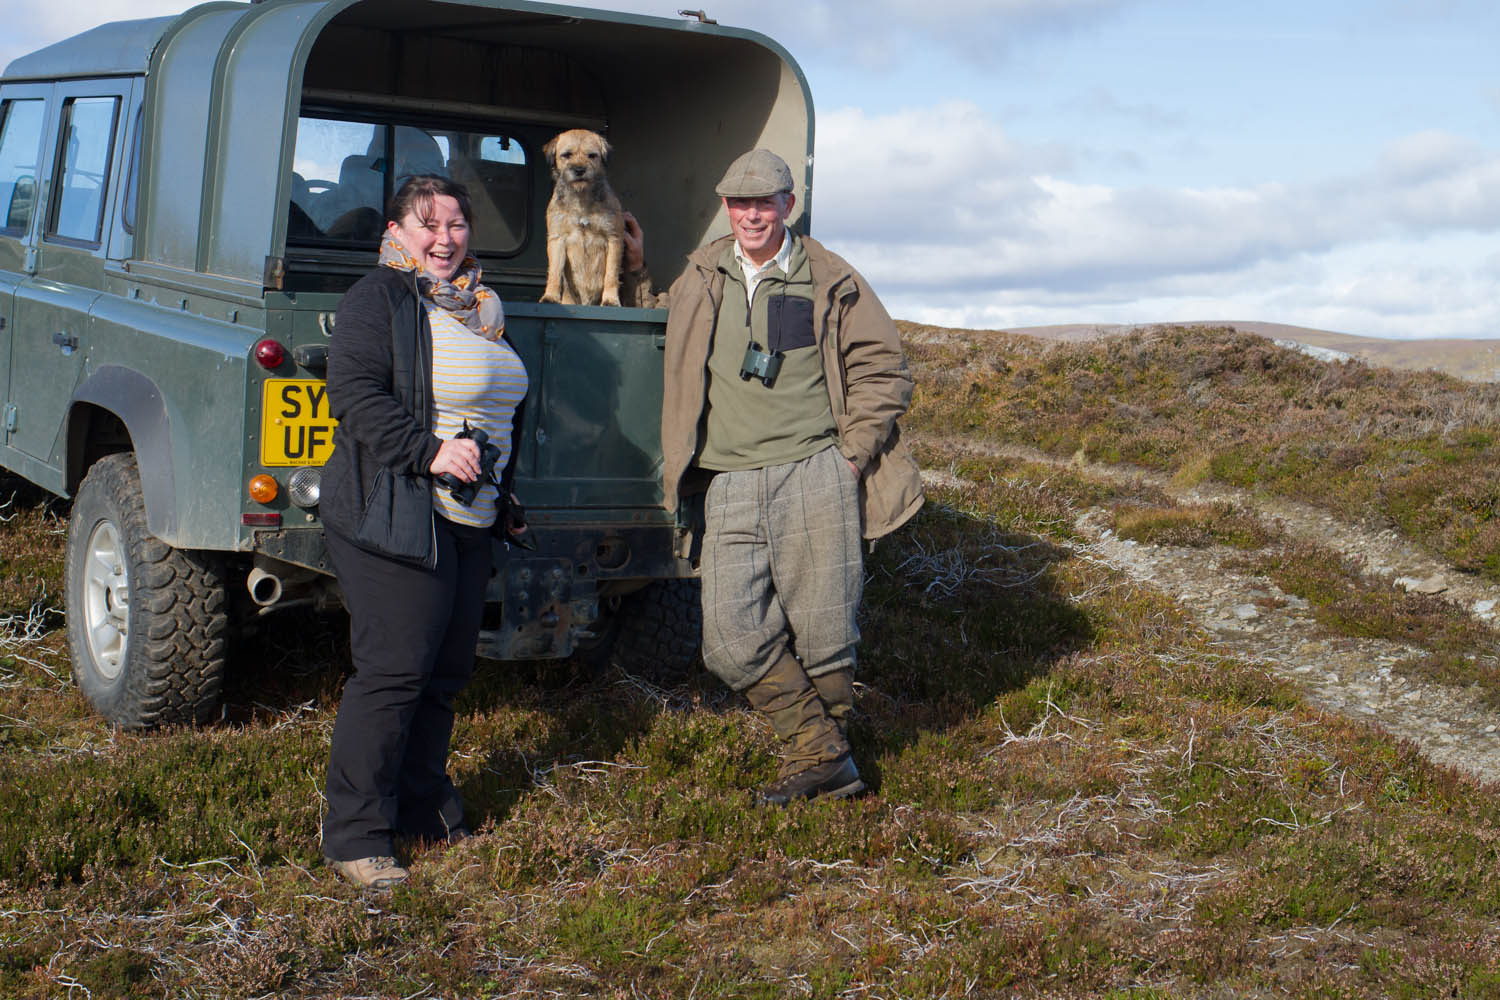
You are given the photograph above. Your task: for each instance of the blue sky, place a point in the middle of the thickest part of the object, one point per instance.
(1004, 163)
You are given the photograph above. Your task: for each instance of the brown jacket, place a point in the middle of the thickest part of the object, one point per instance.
(868, 383)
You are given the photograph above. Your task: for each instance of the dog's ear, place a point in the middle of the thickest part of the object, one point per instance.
(549, 153)
(605, 149)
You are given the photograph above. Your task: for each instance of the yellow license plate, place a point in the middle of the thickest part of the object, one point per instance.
(296, 426)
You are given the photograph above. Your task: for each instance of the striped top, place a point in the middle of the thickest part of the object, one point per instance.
(476, 380)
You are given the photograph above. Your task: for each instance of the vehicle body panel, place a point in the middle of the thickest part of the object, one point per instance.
(142, 338)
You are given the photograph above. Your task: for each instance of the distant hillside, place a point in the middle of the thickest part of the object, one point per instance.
(1414, 450)
(1475, 360)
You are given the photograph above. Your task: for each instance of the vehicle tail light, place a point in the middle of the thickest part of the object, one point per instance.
(269, 354)
(261, 519)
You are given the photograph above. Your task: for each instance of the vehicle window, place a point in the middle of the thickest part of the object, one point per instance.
(88, 138)
(493, 168)
(499, 149)
(20, 149)
(343, 172)
(338, 193)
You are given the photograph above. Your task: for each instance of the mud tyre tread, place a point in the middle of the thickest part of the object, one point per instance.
(659, 630)
(176, 647)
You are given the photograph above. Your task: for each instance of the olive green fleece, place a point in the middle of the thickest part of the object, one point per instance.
(747, 424)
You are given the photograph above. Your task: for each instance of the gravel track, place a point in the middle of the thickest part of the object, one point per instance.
(1252, 620)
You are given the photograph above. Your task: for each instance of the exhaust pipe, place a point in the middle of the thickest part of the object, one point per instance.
(265, 588)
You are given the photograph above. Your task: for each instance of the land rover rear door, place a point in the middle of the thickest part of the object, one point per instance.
(83, 154)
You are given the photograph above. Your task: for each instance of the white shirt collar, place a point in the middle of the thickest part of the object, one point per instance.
(783, 258)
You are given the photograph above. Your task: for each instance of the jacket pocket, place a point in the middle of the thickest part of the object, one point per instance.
(397, 519)
(892, 488)
(789, 322)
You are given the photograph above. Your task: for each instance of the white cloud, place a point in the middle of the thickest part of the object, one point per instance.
(983, 30)
(1387, 289)
(955, 219)
(1103, 104)
(1426, 154)
(870, 34)
(929, 174)
(873, 33)
(949, 218)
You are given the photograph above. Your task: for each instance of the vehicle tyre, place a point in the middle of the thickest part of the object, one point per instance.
(660, 629)
(656, 631)
(147, 623)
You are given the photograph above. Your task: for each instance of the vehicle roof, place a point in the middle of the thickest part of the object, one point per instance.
(680, 99)
(121, 48)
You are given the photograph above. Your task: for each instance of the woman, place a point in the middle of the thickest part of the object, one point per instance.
(417, 351)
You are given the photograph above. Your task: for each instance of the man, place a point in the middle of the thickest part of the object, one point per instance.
(784, 381)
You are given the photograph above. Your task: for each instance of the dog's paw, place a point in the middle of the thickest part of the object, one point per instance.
(610, 299)
(550, 297)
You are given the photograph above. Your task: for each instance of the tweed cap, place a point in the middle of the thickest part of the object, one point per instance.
(757, 174)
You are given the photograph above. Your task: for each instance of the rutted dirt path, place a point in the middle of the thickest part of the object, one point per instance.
(1252, 620)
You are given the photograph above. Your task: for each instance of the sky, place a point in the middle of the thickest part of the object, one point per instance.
(994, 164)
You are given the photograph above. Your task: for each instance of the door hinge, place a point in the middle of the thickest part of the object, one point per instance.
(10, 417)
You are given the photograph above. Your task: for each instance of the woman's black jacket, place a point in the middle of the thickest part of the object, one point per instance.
(379, 390)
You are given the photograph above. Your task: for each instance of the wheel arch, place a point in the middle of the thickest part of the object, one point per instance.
(117, 409)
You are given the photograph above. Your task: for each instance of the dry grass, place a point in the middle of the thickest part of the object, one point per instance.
(1193, 525)
(1414, 450)
(1073, 796)
(1345, 598)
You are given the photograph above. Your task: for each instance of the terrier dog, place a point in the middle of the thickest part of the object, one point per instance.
(585, 224)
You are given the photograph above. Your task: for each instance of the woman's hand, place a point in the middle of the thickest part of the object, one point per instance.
(459, 458)
(515, 518)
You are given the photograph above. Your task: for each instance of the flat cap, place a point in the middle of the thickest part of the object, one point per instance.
(757, 174)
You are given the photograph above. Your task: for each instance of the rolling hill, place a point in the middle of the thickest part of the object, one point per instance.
(1475, 360)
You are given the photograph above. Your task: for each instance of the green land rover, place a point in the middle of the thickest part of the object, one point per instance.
(183, 201)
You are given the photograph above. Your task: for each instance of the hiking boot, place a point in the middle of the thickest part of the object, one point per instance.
(378, 872)
(836, 779)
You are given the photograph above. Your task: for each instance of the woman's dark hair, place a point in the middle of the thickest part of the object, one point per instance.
(417, 193)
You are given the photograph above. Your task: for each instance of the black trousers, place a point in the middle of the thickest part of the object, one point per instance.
(412, 633)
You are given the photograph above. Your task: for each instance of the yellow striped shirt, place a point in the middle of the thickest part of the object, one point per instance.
(479, 381)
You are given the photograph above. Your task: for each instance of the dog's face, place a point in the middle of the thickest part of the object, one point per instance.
(577, 157)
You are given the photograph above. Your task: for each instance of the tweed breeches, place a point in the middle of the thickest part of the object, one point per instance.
(781, 568)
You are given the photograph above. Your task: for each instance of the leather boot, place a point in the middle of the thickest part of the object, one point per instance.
(836, 689)
(378, 872)
(815, 756)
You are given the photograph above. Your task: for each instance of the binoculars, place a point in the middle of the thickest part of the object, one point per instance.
(759, 364)
(464, 492)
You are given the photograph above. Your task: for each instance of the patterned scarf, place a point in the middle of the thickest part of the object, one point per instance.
(472, 304)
